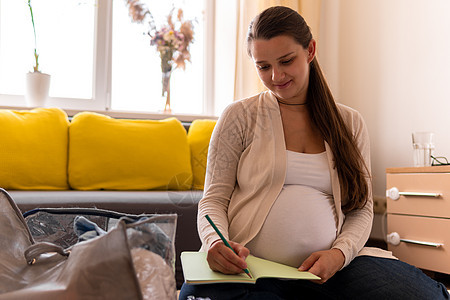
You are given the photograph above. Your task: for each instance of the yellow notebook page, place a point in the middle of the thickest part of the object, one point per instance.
(196, 270)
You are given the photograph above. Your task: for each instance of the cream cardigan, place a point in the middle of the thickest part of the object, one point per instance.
(246, 172)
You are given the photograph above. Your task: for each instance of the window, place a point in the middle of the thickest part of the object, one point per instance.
(136, 66)
(64, 43)
(98, 58)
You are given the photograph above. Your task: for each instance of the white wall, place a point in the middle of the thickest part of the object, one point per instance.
(390, 59)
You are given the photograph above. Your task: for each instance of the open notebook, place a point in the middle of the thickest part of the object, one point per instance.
(196, 270)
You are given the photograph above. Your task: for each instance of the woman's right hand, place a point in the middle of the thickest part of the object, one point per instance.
(222, 259)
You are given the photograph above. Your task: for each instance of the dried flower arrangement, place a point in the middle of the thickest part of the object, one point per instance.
(172, 40)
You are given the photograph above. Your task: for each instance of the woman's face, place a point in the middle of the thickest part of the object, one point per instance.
(283, 66)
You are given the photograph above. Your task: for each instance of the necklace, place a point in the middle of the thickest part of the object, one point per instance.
(285, 103)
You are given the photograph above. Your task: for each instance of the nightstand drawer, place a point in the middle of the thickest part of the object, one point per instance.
(420, 189)
(419, 234)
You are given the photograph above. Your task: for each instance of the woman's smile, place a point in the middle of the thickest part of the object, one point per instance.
(282, 86)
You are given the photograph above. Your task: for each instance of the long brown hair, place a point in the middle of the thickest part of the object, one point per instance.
(352, 171)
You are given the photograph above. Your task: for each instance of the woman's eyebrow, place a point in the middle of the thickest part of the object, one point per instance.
(284, 56)
(279, 58)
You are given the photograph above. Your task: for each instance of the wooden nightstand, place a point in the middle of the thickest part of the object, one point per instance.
(418, 216)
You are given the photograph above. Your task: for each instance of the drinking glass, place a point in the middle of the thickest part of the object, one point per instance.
(423, 148)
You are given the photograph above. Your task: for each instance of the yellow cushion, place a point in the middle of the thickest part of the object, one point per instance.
(33, 149)
(198, 138)
(118, 154)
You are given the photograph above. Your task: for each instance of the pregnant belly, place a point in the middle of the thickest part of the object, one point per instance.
(301, 221)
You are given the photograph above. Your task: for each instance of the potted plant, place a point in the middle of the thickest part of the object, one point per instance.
(37, 83)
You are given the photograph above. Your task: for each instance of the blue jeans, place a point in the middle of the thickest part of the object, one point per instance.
(366, 277)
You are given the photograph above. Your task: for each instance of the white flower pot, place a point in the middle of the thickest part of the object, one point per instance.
(37, 87)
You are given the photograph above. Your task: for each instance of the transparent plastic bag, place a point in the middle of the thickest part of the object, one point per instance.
(153, 252)
(150, 240)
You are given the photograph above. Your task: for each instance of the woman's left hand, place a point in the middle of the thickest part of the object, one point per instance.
(323, 264)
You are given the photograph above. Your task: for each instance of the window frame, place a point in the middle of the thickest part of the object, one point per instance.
(101, 86)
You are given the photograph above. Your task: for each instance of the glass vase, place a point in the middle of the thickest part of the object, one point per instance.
(166, 91)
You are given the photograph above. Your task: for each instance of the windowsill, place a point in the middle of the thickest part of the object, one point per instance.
(128, 114)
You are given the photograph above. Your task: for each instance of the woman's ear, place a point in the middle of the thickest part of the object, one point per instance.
(311, 50)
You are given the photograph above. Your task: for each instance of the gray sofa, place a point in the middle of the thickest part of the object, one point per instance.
(183, 203)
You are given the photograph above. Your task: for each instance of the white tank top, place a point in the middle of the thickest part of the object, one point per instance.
(303, 218)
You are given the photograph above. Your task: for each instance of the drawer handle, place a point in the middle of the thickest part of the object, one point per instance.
(395, 194)
(394, 239)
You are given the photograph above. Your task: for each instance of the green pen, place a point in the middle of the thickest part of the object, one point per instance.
(224, 240)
